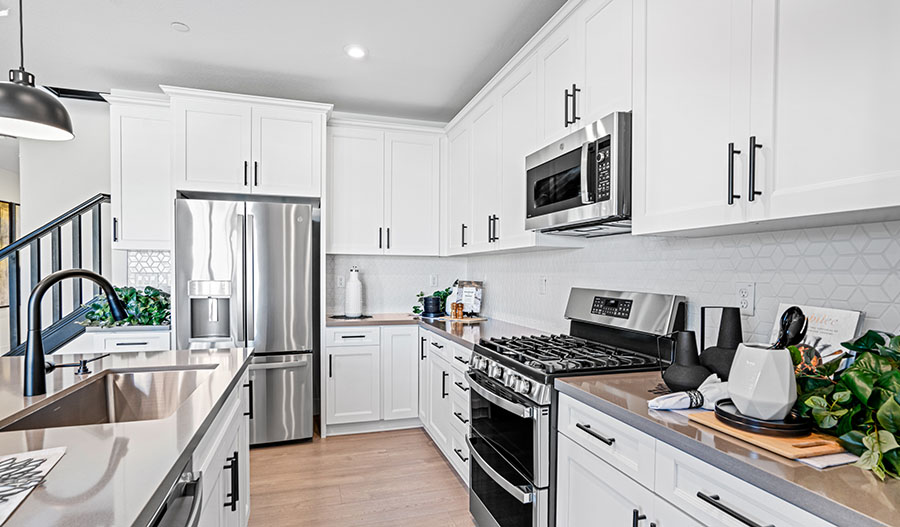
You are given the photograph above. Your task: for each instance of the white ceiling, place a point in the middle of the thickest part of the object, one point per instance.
(427, 57)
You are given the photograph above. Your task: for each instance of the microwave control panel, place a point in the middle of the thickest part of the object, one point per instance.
(603, 170)
(612, 307)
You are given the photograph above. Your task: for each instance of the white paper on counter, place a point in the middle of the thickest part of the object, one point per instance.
(830, 460)
(51, 455)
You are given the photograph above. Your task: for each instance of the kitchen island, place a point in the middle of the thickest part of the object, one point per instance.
(117, 473)
(845, 495)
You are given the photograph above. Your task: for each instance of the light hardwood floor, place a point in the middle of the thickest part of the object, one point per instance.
(376, 480)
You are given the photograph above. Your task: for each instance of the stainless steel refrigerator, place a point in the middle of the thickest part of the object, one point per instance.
(244, 278)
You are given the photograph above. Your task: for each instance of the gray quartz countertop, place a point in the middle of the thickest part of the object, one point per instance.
(845, 496)
(469, 334)
(113, 474)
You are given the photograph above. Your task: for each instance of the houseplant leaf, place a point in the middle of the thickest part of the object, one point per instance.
(870, 341)
(853, 442)
(889, 416)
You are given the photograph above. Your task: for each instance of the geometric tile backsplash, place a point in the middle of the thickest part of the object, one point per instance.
(149, 268)
(846, 267)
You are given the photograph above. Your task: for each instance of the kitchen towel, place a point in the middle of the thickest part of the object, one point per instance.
(711, 391)
(21, 473)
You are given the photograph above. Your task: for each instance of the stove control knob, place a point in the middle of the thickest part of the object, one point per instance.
(523, 387)
(496, 372)
(512, 381)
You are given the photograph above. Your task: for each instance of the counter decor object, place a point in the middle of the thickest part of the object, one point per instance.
(859, 404)
(432, 307)
(686, 372)
(20, 473)
(761, 382)
(437, 310)
(353, 294)
(146, 307)
(705, 396)
(718, 358)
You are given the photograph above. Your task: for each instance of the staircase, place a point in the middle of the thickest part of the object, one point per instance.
(66, 242)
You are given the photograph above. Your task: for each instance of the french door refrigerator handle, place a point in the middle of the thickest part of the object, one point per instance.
(250, 273)
(523, 494)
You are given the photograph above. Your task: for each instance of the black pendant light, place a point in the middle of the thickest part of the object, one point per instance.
(30, 112)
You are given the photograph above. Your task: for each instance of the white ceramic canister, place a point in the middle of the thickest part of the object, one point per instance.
(353, 294)
(761, 382)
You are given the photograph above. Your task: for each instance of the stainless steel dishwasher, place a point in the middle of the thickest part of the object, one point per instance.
(281, 391)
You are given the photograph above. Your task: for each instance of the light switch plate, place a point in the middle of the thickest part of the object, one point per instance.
(340, 281)
(746, 297)
(542, 285)
(433, 280)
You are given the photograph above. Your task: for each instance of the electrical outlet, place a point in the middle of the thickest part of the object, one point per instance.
(746, 297)
(542, 285)
(433, 280)
(340, 281)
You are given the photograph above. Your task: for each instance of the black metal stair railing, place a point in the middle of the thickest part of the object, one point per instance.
(63, 327)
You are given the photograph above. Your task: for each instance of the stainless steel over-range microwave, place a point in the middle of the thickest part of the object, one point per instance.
(581, 184)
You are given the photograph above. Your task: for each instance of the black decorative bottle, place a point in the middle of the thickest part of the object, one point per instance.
(718, 358)
(686, 372)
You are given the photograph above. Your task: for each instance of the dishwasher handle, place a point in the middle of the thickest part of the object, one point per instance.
(187, 487)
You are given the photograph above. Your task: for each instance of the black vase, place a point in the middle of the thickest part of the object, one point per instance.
(686, 373)
(432, 305)
(718, 358)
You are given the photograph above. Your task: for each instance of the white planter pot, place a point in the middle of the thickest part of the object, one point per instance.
(762, 383)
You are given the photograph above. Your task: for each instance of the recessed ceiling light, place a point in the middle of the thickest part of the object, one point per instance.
(355, 51)
(181, 27)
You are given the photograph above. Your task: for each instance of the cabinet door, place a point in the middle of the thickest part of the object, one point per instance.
(411, 194)
(825, 107)
(244, 450)
(287, 151)
(518, 137)
(439, 408)
(424, 392)
(355, 205)
(485, 191)
(399, 372)
(559, 69)
(354, 384)
(591, 491)
(212, 510)
(141, 167)
(605, 30)
(459, 217)
(692, 73)
(667, 515)
(212, 145)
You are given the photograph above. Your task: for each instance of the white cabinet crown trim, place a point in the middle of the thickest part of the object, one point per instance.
(136, 97)
(246, 99)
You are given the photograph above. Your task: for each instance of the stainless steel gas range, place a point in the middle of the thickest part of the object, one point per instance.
(513, 404)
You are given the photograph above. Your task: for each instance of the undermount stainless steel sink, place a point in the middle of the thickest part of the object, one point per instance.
(115, 396)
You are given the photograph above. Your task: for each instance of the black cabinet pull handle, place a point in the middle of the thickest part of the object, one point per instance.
(566, 105)
(379, 237)
(353, 336)
(587, 429)
(115, 229)
(731, 153)
(330, 364)
(444, 393)
(235, 482)
(246, 164)
(636, 517)
(249, 385)
(436, 345)
(490, 227)
(575, 116)
(459, 453)
(752, 169)
(461, 386)
(421, 348)
(388, 237)
(463, 238)
(255, 173)
(460, 359)
(713, 499)
(460, 417)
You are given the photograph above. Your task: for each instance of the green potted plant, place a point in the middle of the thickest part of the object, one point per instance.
(147, 307)
(860, 404)
(417, 309)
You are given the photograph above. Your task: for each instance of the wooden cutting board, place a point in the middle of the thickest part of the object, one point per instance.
(790, 447)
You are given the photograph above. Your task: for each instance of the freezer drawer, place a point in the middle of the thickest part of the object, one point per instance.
(282, 398)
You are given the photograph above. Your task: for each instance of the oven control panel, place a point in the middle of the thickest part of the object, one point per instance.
(603, 170)
(612, 307)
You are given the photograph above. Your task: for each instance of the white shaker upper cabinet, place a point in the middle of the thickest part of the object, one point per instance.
(212, 145)
(826, 79)
(459, 184)
(605, 35)
(287, 151)
(485, 189)
(559, 70)
(140, 169)
(691, 100)
(412, 194)
(355, 191)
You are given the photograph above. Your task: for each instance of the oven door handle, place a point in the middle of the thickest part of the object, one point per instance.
(509, 406)
(585, 191)
(523, 494)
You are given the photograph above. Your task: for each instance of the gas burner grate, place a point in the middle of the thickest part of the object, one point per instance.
(564, 353)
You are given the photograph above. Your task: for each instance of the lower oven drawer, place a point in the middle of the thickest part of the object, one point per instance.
(499, 496)
(622, 446)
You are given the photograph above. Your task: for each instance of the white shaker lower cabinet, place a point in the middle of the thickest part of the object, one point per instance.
(399, 372)
(439, 401)
(591, 492)
(424, 385)
(354, 384)
(599, 486)
(223, 460)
